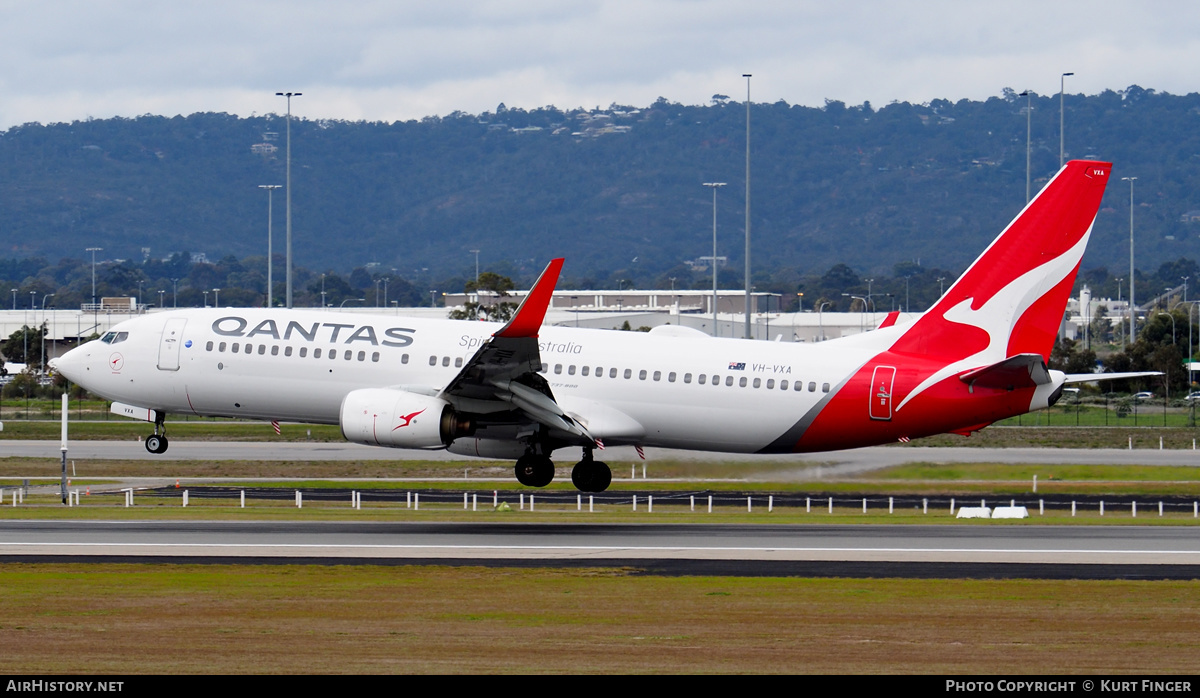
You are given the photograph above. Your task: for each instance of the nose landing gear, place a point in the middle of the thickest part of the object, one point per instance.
(157, 442)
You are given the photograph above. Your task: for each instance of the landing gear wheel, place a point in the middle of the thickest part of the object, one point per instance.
(533, 470)
(156, 443)
(591, 476)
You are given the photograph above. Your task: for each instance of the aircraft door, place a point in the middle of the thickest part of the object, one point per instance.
(170, 344)
(881, 392)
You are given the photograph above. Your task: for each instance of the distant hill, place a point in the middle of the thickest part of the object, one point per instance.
(618, 192)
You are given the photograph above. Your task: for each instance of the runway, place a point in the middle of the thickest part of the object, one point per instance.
(845, 462)
(949, 550)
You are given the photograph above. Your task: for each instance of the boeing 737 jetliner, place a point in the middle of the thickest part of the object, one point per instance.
(523, 391)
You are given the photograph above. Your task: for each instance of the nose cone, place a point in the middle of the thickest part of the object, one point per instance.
(72, 363)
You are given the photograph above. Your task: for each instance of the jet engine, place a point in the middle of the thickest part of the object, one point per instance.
(400, 419)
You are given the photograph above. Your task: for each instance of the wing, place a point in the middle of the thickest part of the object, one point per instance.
(504, 373)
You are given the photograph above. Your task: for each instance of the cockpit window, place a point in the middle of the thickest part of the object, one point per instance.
(114, 337)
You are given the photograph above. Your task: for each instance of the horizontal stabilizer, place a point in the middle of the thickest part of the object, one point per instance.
(1093, 377)
(1020, 371)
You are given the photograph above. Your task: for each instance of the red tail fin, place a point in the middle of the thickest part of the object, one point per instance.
(1011, 300)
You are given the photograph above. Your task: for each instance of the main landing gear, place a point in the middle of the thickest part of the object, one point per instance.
(591, 475)
(157, 442)
(534, 470)
(537, 470)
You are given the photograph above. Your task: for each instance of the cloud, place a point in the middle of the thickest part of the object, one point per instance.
(387, 60)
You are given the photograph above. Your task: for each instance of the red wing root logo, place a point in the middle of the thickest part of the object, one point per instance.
(407, 419)
(115, 362)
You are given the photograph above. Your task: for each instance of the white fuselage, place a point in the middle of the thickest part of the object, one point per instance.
(680, 390)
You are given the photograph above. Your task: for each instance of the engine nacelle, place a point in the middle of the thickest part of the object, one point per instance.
(400, 419)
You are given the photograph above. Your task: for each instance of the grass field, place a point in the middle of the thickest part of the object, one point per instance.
(116, 618)
(302, 619)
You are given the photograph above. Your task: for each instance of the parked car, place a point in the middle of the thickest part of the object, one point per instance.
(1192, 396)
(1144, 395)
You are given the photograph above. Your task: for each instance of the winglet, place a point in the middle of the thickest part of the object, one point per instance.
(528, 319)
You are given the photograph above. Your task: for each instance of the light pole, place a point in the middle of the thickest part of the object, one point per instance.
(714, 186)
(94, 250)
(323, 291)
(270, 252)
(747, 76)
(14, 292)
(864, 305)
(1132, 318)
(1028, 138)
(476, 268)
(43, 334)
(821, 320)
(216, 298)
(205, 298)
(174, 293)
(1119, 280)
(161, 294)
(346, 300)
(1062, 121)
(288, 271)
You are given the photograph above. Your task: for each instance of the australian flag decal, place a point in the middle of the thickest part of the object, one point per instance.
(737, 365)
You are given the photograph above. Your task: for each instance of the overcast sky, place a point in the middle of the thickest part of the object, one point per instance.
(394, 59)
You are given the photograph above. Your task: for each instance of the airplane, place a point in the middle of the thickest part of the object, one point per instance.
(523, 390)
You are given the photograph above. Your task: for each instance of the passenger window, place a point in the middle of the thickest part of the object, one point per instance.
(728, 381)
(716, 380)
(812, 387)
(612, 373)
(584, 370)
(742, 382)
(642, 375)
(700, 380)
(557, 369)
(349, 355)
(628, 374)
(375, 357)
(221, 347)
(333, 354)
(599, 372)
(445, 360)
(362, 356)
(571, 370)
(658, 375)
(824, 387)
(687, 378)
(303, 352)
(275, 350)
(208, 347)
(458, 362)
(671, 377)
(404, 358)
(545, 367)
(757, 382)
(317, 354)
(235, 347)
(783, 385)
(770, 383)
(287, 351)
(262, 349)
(432, 360)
